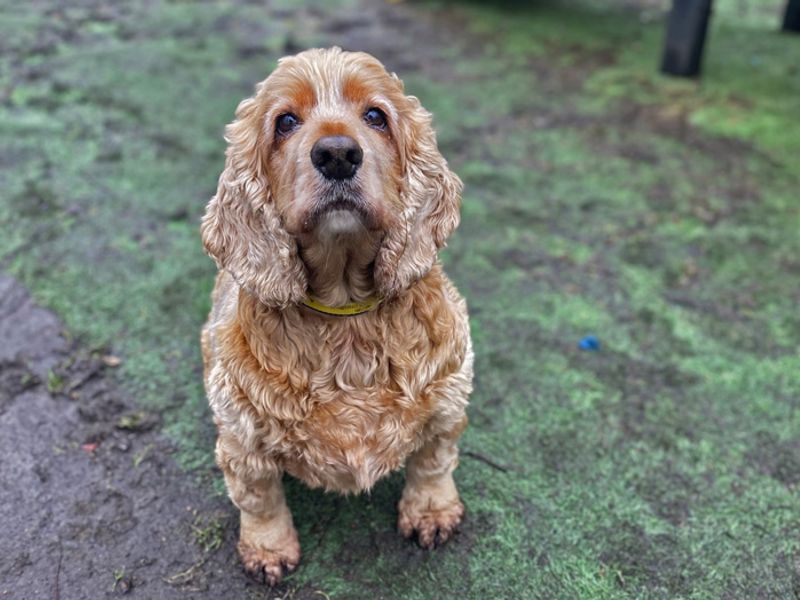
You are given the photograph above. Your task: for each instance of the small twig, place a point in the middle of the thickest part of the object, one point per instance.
(185, 577)
(488, 461)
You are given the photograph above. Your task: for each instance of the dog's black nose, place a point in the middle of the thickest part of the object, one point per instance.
(337, 156)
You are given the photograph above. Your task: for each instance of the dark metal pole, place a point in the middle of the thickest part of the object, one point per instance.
(791, 18)
(686, 35)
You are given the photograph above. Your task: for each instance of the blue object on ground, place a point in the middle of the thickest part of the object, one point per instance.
(590, 342)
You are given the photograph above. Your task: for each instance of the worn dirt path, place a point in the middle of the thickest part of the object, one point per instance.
(91, 501)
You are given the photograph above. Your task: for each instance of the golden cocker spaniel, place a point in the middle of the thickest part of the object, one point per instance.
(336, 349)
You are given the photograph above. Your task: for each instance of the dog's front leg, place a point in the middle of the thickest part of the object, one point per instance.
(268, 544)
(430, 505)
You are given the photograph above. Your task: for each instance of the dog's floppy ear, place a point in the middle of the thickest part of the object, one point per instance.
(242, 229)
(431, 196)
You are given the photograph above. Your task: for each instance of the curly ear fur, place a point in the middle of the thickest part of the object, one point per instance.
(241, 229)
(431, 195)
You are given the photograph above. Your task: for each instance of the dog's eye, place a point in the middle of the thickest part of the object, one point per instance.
(286, 123)
(374, 117)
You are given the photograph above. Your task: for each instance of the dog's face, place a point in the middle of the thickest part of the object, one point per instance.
(333, 157)
(329, 146)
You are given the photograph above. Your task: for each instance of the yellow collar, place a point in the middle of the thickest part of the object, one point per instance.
(346, 310)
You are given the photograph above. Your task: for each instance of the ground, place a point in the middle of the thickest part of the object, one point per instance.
(659, 215)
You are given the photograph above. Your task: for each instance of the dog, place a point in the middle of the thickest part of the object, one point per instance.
(336, 349)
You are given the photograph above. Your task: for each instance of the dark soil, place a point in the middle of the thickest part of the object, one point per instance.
(91, 502)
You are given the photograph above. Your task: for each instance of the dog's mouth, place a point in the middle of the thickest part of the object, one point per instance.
(339, 200)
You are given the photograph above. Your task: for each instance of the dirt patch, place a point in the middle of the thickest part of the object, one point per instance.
(652, 559)
(669, 492)
(374, 28)
(780, 459)
(15, 378)
(643, 387)
(91, 502)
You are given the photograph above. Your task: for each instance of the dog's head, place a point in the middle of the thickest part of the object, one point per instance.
(329, 144)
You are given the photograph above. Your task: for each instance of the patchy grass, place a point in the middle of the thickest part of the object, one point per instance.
(55, 382)
(601, 198)
(209, 531)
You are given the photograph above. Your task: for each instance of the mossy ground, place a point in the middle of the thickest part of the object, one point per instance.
(660, 215)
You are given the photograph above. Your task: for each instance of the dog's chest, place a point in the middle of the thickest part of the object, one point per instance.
(350, 441)
(336, 403)
(360, 407)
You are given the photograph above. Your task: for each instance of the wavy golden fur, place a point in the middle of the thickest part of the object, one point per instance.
(335, 402)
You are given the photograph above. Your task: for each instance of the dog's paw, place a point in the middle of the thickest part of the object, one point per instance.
(432, 527)
(269, 566)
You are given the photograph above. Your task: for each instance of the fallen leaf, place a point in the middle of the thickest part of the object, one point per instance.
(110, 360)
